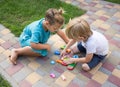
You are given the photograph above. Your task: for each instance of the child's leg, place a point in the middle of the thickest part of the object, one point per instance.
(85, 67)
(22, 51)
(94, 62)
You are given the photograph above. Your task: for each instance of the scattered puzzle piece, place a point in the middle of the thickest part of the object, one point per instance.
(62, 48)
(61, 62)
(57, 52)
(52, 62)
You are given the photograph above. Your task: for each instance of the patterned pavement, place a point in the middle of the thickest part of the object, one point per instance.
(35, 72)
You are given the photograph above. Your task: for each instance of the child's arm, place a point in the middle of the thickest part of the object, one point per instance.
(86, 59)
(71, 42)
(63, 36)
(39, 46)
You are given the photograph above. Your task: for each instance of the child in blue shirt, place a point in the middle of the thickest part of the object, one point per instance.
(35, 35)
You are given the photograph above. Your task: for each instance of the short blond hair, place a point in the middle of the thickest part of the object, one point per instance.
(78, 27)
(54, 16)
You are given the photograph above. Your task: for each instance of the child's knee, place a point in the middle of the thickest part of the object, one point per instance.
(85, 67)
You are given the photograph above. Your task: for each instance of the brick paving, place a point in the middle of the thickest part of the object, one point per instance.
(35, 71)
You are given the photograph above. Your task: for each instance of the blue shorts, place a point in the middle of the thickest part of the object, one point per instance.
(96, 58)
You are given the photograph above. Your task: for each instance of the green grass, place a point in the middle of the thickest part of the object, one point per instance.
(4, 83)
(16, 14)
(114, 1)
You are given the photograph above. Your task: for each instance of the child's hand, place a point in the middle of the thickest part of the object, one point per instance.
(69, 61)
(47, 47)
(63, 53)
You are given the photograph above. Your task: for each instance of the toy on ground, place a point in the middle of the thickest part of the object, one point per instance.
(63, 47)
(69, 66)
(72, 66)
(52, 62)
(52, 75)
(63, 77)
(61, 62)
(68, 51)
(57, 52)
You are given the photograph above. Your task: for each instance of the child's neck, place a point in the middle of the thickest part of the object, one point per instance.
(44, 26)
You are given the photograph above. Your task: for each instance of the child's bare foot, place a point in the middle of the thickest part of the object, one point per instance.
(13, 57)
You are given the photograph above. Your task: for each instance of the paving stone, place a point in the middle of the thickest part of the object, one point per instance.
(117, 14)
(34, 65)
(75, 3)
(77, 83)
(108, 66)
(33, 78)
(116, 73)
(7, 53)
(6, 45)
(100, 12)
(58, 69)
(14, 68)
(97, 23)
(98, 6)
(48, 80)
(41, 72)
(5, 31)
(2, 57)
(83, 78)
(93, 83)
(100, 77)
(115, 80)
(24, 60)
(114, 58)
(1, 27)
(115, 26)
(87, 74)
(2, 49)
(108, 84)
(1, 41)
(40, 84)
(105, 26)
(25, 83)
(22, 74)
(4, 64)
(118, 67)
(69, 77)
(105, 71)
(54, 85)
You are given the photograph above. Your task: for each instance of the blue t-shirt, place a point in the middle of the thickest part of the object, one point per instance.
(35, 33)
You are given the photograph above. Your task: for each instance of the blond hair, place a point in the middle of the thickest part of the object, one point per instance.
(54, 16)
(78, 27)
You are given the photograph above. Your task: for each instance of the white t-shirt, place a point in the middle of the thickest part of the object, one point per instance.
(97, 44)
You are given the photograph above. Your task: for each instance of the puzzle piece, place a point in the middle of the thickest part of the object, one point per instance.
(56, 52)
(62, 48)
(61, 62)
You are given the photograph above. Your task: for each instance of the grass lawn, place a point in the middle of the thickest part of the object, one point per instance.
(16, 14)
(4, 83)
(114, 1)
